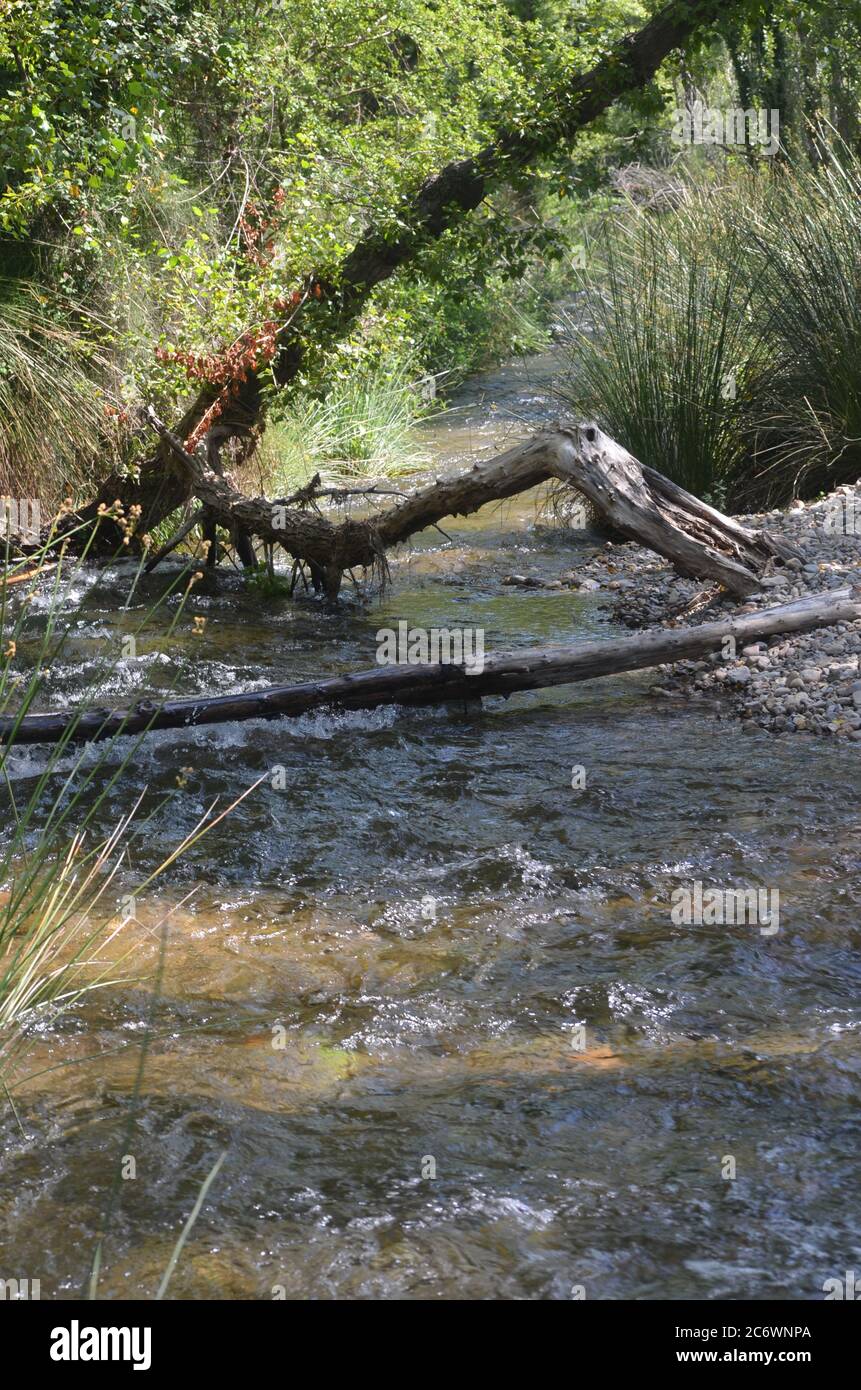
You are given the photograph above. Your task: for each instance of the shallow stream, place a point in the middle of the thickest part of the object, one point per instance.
(426, 996)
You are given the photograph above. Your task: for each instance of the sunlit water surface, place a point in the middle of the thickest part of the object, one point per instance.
(387, 958)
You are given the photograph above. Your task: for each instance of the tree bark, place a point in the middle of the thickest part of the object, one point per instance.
(643, 504)
(433, 684)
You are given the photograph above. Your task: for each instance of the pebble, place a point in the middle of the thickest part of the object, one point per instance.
(797, 682)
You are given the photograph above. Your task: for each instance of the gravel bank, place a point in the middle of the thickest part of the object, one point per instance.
(810, 683)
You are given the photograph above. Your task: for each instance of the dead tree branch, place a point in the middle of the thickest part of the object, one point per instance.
(643, 504)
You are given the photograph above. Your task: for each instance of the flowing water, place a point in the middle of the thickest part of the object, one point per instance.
(426, 996)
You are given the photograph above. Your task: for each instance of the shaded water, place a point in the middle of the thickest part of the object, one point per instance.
(421, 921)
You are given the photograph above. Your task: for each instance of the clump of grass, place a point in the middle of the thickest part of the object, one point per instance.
(808, 414)
(267, 583)
(673, 349)
(53, 426)
(724, 346)
(54, 872)
(362, 428)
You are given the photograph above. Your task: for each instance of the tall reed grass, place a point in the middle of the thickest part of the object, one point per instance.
(808, 413)
(362, 427)
(54, 431)
(723, 342)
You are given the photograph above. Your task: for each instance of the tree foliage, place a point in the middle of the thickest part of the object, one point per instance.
(175, 170)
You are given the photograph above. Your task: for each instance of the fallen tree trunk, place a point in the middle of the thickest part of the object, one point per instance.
(503, 674)
(643, 504)
(638, 501)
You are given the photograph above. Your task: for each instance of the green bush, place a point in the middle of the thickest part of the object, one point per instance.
(721, 341)
(807, 419)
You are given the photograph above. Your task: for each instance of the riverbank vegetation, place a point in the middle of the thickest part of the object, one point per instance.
(723, 334)
(175, 173)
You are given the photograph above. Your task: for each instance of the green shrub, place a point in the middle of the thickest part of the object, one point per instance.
(363, 427)
(722, 337)
(671, 349)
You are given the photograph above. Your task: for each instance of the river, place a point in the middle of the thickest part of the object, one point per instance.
(427, 996)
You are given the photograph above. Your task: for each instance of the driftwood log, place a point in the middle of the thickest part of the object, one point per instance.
(433, 684)
(643, 504)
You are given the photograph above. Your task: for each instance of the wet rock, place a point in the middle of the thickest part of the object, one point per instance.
(806, 682)
(523, 581)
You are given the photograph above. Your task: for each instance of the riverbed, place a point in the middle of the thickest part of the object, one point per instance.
(423, 988)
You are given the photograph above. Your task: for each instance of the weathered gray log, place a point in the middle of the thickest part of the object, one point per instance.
(640, 502)
(432, 684)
